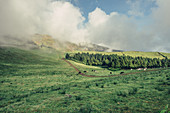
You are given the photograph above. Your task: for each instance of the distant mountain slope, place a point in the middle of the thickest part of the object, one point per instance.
(92, 47)
(49, 42)
(46, 41)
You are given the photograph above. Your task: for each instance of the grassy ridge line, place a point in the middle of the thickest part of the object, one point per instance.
(166, 54)
(144, 54)
(130, 53)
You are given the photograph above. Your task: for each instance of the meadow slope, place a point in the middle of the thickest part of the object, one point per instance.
(131, 53)
(39, 81)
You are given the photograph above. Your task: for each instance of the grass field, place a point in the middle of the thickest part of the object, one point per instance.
(39, 81)
(143, 54)
(166, 54)
(101, 71)
(130, 53)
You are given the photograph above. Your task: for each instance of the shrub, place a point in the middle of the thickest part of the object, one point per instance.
(87, 86)
(62, 92)
(86, 109)
(117, 99)
(133, 91)
(169, 91)
(75, 85)
(160, 80)
(97, 84)
(55, 88)
(164, 83)
(102, 86)
(123, 93)
(78, 98)
(159, 88)
(165, 110)
(114, 83)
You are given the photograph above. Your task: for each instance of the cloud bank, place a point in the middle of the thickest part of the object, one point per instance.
(62, 20)
(19, 18)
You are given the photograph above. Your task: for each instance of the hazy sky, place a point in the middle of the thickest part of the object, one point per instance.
(120, 24)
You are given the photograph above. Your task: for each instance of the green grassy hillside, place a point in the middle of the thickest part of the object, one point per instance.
(166, 54)
(143, 54)
(39, 81)
(131, 53)
(13, 60)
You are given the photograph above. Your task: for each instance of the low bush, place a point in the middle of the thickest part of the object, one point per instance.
(62, 92)
(123, 93)
(78, 98)
(159, 88)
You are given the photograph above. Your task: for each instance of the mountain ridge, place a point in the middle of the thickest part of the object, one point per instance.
(43, 40)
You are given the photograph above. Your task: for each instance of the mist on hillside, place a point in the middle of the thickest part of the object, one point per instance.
(20, 20)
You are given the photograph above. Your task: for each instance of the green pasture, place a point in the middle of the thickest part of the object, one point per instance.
(130, 53)
(39, 81)
(101, 71)
(143, 54)
(166, 54)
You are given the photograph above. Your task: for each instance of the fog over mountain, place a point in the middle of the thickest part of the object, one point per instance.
(19, 19)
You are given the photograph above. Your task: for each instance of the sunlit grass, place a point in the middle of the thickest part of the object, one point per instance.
(43, 85)
(143, 54)
(130, 53)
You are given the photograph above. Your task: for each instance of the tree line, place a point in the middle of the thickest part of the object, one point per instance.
(116, 61)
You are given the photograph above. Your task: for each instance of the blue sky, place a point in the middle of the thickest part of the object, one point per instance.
(87, 6)
(121, 6)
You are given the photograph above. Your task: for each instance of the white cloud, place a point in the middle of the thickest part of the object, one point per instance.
(161, 26)
(19, 18)
(97, 17)
(115, 30)
(122, 32)
(65, 21)
(62, 20)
